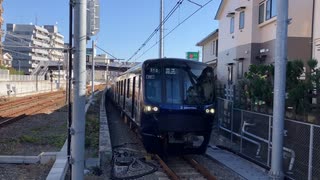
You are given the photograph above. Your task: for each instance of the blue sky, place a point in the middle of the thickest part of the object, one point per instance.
(125, 24)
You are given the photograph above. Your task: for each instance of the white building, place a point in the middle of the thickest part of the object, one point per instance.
(30, 46)
(247, 35)
(56, 41)
(209, 46)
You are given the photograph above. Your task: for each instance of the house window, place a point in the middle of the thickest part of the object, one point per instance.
(261, 13)
(213, 47)
(267, 10)
(231, 25)
(241, 20)
(240, 69)
(273, 8)
(217, 43)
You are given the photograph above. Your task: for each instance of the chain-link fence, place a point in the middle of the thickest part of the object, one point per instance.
(250, 134)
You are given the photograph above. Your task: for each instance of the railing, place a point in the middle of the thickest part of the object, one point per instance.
(250, 134)
(7, 77)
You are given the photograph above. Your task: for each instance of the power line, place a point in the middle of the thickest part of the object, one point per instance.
(107, 52)
(157, 29)
(176, 27)
(194, 3)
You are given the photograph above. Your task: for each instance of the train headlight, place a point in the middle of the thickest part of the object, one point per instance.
(151, 109)
(155, 109)
(147, 108)
(210, 111)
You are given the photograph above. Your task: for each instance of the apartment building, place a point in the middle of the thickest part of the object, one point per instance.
(210, 46)
(32, 47)
(1, 22)
(56, 42)
(247, 33)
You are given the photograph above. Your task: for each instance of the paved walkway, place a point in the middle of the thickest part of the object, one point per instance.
(241, 166)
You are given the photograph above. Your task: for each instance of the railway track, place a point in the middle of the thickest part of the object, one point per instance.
(183, 167)
(15, 110)
(24, 100)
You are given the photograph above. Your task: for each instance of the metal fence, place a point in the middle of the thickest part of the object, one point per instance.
(250, 134)
(7, 77)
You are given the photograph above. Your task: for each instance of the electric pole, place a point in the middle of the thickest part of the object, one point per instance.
(276, 170)
(79, 95)
(161, 31)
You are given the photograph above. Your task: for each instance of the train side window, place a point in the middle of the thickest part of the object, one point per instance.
(118, 91)
(128, 89)
(121, 88)
(134, 88)
(139, 86)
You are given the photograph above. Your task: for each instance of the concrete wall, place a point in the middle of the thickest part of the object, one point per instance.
(28, 87)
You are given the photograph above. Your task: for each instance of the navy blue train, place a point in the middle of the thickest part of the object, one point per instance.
(170, 101)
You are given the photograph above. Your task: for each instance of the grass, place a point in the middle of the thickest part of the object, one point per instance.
(93, 127)
(54, 140)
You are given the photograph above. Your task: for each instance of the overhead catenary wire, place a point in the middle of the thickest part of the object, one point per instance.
(107, 52)
(157, 29)
(175, 27)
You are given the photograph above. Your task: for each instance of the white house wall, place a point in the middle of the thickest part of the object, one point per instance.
(316, 48)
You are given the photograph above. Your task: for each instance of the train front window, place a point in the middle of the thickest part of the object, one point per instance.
(153, 84)
(173, 87)
(189, 84)
(198, 82)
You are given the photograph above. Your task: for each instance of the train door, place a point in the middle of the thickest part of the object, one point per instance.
(133, 97)
(128, 102)
(138, 101)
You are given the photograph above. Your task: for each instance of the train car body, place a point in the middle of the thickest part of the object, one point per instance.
(171, 102)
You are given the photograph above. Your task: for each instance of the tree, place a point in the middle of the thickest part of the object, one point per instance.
(259, 84)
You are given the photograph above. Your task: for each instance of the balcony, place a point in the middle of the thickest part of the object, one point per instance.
(41, 36)
(41, 44)
(40, 51)
(39, 58)
(60, 41)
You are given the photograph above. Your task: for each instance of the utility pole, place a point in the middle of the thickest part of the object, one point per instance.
(276, 170)
(92, 68)
(79, 96)
(161, 31)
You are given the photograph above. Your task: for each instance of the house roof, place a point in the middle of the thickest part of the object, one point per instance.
(7, 56)
(211, 35)
(222, 3)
